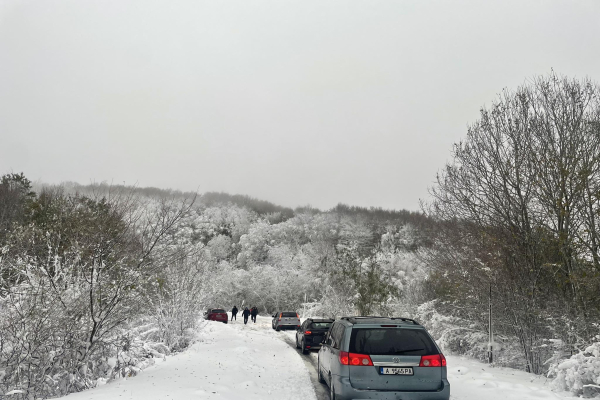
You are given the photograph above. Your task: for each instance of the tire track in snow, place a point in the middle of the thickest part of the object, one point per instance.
(321, 390)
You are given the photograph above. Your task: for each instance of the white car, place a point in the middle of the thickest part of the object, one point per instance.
(285, 320)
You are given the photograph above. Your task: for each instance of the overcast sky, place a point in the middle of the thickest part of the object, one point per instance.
(295, 102)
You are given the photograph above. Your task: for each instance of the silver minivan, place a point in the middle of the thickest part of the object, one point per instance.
(382, 358)
(285, 320)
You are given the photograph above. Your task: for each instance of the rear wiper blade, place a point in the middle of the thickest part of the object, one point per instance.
(407, 351)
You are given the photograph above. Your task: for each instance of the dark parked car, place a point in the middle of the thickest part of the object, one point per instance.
(216, 314)
(285, 320)
(310, 334)
(382, 358)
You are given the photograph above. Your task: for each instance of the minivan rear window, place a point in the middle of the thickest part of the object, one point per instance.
(391, 341)
(218, 311)
(321, 325)
(289, 314)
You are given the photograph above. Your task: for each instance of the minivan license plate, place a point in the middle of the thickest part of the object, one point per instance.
(396, 371)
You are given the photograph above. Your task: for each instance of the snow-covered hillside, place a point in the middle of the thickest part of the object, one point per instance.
(237, 361)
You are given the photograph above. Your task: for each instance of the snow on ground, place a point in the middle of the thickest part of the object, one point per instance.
(247, 362)
(471, 380)
(233, 361)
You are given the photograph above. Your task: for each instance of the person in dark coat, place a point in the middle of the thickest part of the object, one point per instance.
(246, 314)
(254, 313)
(234, 311)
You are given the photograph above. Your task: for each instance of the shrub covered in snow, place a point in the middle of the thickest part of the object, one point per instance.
(74, 281)
(461, 337)
(579, 374)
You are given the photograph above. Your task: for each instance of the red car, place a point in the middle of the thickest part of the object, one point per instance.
(216, 314)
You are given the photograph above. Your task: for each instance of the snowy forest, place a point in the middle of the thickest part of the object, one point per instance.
(98, 280)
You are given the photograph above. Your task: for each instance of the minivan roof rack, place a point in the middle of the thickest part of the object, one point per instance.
(362, 317)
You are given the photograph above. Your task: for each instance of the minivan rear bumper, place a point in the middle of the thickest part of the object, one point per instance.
(344, 389)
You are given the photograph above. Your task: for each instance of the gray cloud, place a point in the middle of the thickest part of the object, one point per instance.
(293, 102)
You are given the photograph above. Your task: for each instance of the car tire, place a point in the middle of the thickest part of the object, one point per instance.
(304, 349)
(277, 328)
(319, 373)
(297, 344)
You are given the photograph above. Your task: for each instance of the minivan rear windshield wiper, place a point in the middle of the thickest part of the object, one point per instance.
(407, 351)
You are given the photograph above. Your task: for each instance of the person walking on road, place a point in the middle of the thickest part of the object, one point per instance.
(254, 313)
(246, 314)
(234, 311)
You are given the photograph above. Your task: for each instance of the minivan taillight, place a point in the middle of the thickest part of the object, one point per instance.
(280, 315)
(359, 360)
(437, 360)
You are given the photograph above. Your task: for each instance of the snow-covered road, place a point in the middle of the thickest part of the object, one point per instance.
(239, 362)
(231, 362)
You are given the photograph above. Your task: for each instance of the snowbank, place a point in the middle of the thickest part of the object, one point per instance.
(473, 380)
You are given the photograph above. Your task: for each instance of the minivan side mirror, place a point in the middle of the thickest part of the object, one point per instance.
(274, 315)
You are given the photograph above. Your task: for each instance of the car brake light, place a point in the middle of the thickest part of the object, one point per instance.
(359, 360)
(437, 360)
(297, 316)
(280, 316)
(344, 358)
(307, 332)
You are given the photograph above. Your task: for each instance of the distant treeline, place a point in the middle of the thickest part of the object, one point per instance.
(261, 207)
(382, 217)
(375, 215)
(208, 199)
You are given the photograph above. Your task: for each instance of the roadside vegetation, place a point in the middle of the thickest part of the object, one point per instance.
(517, 212)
